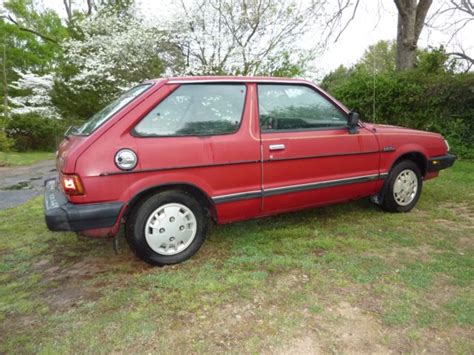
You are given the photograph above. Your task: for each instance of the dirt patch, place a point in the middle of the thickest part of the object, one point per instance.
(462, 210)
(356, 332)
(344, 329)
(452, 225)
(304, 345)
(466, 243)
(72, 280)
(64, 291)
(423, 253)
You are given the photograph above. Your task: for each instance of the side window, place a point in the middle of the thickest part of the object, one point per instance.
(194, 110)
(296, 107)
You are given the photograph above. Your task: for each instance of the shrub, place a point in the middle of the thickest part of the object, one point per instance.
(32, 132)
(442, 102)
(5, 142)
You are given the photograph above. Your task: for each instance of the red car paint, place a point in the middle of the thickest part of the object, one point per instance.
(223, 166)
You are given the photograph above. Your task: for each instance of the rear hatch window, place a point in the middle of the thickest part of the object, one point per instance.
(108, 111)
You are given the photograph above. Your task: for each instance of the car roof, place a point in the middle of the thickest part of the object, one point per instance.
(246, 79)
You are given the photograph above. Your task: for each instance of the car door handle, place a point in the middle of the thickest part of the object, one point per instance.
(277, 147)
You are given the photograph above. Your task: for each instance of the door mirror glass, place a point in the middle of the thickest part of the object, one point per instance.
(353, 121)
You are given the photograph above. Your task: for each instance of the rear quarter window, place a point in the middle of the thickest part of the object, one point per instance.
(196, 110)
(108, 111)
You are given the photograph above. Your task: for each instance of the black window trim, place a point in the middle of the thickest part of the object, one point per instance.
(262, 131)
(134, 133)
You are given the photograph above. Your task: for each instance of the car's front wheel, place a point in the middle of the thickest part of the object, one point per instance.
(403, 187)
(167, 228)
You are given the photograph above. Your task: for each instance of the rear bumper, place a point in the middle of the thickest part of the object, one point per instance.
(439, 163)
(61, 215)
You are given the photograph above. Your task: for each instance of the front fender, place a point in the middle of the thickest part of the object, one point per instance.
(389, 159)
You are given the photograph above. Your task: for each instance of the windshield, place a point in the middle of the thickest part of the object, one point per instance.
(108, 111)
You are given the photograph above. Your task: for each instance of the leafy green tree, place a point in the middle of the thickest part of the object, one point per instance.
(379, 58)
(336, 77)
(29, 43)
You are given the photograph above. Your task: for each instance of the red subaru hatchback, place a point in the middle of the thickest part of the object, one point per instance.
(171, 154)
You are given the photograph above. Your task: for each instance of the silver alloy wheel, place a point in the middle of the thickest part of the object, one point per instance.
(170, 229)
(405, 187)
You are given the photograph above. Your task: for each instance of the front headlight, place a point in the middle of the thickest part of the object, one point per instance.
(447, 144)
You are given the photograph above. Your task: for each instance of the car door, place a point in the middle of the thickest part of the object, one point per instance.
(309, 157)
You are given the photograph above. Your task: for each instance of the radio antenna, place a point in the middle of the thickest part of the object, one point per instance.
(373, 89)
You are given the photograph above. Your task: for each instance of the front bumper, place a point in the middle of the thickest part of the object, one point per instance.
(61, 215)
(439, 163)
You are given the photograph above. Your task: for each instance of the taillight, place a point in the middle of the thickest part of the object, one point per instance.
(72, 184)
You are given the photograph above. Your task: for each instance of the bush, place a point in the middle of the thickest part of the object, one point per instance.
(442, 102)
(32, 132)
(5, 142)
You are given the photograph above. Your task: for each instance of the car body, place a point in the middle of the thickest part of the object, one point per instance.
(242, 147)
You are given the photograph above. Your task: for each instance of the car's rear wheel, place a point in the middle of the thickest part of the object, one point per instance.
(403, 187)
(167, 228)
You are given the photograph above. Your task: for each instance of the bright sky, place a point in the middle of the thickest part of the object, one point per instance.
(375, 20)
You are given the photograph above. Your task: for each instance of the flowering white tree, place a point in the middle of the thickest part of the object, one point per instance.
(112, 52)
(115, 50)
(36, 98)
(246, 37)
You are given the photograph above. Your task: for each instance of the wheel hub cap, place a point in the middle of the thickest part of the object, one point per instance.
(405, 187)
(170, 229)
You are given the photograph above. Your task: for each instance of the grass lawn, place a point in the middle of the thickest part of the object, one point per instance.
(335, 279)
(23, 158)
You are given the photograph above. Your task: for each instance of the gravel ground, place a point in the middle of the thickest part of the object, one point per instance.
(19, 184)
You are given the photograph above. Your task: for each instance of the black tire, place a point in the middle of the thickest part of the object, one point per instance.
(389, 202)
(136, 222)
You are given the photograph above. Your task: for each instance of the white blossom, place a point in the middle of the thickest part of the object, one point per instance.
(38, 99)
(113, 49)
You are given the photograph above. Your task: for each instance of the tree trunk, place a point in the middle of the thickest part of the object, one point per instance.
(6, 112)
(406, 44)
(411, 19)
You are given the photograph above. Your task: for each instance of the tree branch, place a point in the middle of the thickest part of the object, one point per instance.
(348, 21)
(68, 6)
(29, 30)
(462, 56)
(421, 12)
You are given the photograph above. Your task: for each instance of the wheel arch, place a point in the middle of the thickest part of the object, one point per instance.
(191, 189)
(415, 156)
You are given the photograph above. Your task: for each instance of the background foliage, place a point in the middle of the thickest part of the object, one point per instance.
(33, 132)
(432, 97)
(63, 69)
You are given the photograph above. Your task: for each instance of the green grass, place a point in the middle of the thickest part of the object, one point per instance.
(400, 282)
(23, 158)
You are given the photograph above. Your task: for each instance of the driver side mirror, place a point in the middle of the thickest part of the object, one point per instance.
(353, 121)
